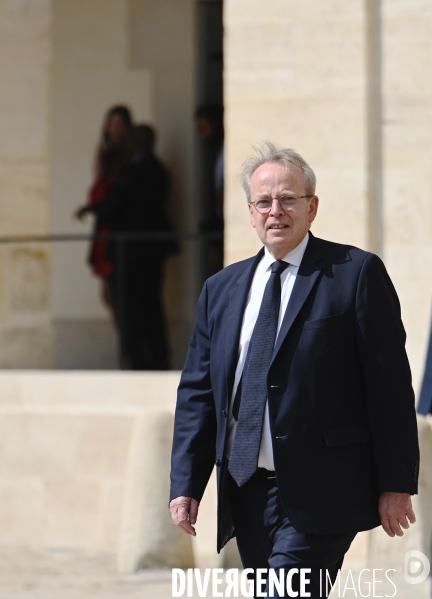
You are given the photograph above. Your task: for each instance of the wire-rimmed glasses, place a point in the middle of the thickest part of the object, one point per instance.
(286, 202)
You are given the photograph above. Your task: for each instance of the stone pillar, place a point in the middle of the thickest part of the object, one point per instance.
(296, 74)
(407, 164)
(26, 338)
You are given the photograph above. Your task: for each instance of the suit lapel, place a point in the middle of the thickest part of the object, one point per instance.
(307, 275)
(237, 303)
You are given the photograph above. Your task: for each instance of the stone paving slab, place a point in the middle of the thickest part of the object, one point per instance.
(57, 574)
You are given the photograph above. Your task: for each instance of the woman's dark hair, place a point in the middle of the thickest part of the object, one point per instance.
(112, 156)
(119, 110)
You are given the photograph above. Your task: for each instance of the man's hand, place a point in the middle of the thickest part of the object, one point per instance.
(184, 512)
(395, 510)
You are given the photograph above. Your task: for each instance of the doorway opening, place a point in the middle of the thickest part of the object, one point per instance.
(210, 135)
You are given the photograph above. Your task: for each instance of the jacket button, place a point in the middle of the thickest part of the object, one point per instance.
(224, 413)
(218, 462)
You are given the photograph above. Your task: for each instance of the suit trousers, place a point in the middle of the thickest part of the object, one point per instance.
(137, 291)
(266, 538)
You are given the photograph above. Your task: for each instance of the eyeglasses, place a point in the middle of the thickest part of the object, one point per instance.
(286, 203)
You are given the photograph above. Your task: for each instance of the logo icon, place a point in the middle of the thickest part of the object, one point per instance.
(412, 567)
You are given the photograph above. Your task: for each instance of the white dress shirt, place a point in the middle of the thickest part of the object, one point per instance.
(256, 292)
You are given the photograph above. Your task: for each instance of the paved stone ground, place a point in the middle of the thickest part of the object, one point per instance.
(27, 574)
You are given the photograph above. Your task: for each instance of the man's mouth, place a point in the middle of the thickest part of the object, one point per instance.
(278, 227)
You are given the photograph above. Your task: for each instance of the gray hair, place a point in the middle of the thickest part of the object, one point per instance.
(286, 157)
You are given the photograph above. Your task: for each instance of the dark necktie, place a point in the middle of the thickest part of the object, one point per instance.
(253, 395)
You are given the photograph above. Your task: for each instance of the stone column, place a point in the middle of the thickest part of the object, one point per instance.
(25, 324)
(407, 164)
(296, 74)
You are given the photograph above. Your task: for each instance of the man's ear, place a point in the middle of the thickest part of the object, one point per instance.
(252, 215)
(313, 208)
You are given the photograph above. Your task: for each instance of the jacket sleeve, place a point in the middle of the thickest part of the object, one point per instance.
(194, 443)
(389, 394)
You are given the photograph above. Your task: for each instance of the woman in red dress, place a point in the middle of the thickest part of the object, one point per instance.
(111, 159)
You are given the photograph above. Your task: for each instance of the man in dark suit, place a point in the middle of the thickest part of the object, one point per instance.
(298, 387)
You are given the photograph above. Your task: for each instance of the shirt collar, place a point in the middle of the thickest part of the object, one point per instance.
(294, 257)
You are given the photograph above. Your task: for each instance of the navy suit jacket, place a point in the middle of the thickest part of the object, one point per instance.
(341, 403)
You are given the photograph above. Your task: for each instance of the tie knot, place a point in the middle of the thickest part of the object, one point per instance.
(278, 267)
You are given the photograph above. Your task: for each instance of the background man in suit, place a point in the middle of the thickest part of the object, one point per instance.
(298, 387)
(425, 399)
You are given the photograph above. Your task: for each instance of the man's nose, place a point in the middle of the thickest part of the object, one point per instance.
(276, 207)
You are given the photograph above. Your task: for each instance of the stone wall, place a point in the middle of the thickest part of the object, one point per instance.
(81, 454)
(64, 448)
